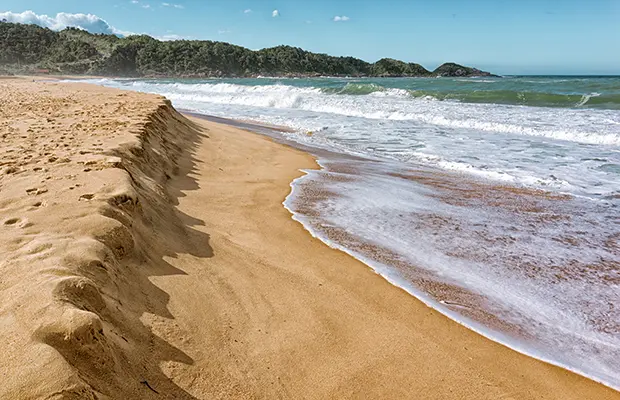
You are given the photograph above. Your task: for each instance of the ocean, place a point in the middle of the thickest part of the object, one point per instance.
(495, 201)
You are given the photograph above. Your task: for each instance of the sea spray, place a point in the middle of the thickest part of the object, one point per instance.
(494, 200)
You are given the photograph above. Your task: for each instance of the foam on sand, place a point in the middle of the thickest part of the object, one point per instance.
(147, 255)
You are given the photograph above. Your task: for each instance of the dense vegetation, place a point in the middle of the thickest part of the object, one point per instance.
(26, 48)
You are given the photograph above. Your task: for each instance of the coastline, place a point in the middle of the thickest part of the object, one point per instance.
(324, 158)
(226, 295)
(448, 308)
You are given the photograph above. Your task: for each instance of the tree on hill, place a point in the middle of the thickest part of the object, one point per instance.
(453, 69)
(73, 50)
(389, 67)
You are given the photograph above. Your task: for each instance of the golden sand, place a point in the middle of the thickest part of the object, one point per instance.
(148, 255)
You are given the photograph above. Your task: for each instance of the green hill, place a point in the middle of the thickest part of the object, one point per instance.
(389, 67)
(28, 48)
(452, 69)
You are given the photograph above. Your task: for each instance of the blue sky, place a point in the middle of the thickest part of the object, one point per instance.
(503, 36)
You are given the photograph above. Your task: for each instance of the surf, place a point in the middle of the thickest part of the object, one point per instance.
(505, 190)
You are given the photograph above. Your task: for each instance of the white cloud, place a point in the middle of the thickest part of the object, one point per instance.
(248, 11)
(172, 36)
(275, 13)
(88, 22)
(147, 6)
(134, 2)
(343, 18)
(173, 5)
(223, 31)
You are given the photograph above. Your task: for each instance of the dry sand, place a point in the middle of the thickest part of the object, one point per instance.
(147, 255)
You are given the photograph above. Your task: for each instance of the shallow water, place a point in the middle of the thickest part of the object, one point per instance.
(531, 269)
(494, 200)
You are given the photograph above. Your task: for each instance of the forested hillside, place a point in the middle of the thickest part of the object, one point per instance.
(30, 48)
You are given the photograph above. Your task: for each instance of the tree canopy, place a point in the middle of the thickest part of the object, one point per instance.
(29, 47)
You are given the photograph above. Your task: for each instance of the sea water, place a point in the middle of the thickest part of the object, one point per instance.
(494, 200)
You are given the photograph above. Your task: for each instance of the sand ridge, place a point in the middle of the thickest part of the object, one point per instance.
(148, 255)
(82, 189)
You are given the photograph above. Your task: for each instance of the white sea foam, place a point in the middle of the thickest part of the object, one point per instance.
(535, 146)
(376, 208)
(391, 92)
(586, 97)
(477, 80)
(396, 104)
(562, 150)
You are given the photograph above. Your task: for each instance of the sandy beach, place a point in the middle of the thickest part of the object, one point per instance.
(147, 254)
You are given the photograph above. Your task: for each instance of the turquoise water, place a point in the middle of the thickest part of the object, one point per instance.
(494, 200)
(547, 91)
(557, 133)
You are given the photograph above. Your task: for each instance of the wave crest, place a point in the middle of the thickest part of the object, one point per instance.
(452, 111)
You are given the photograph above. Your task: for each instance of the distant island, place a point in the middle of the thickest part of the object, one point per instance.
(33, 49)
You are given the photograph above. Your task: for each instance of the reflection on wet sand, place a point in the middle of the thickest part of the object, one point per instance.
(539, 267)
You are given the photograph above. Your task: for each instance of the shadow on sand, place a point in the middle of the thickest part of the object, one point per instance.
(161, 170)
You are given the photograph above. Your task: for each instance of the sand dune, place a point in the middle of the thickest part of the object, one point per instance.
(83, 195)
(147, 255)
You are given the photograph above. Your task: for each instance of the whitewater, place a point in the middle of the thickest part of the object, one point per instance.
(494, 200)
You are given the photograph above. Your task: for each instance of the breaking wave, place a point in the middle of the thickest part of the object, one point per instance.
(372, 101)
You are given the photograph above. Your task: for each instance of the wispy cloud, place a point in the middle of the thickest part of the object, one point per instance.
(180, 6)
(143, 5)
(275, 13)
(172, 36)
(342, 18)
(88, 22)
(224, 31)
(247, 11)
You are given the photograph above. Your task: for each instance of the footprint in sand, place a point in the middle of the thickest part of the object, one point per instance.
(86, 197)
(20, 222)
(36, 191)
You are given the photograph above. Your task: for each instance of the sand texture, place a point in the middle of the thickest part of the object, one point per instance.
(147, 255)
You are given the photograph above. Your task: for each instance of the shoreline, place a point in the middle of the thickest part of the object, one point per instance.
(403, 286)
(384, 271)
(190, 213)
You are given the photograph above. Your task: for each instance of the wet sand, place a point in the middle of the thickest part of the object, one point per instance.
(148, 255)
